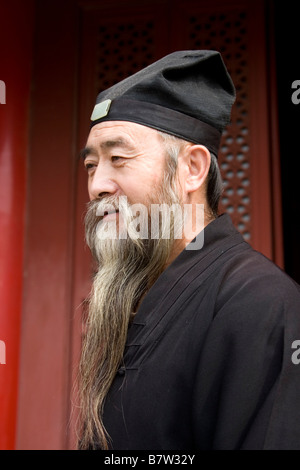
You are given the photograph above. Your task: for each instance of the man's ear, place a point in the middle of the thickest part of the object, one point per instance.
(198, 160)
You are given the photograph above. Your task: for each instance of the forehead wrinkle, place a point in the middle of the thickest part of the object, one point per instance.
(116, 142)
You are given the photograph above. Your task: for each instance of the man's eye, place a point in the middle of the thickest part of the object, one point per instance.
(89, 166)
(115, 158)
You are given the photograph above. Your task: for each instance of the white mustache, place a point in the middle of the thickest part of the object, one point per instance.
(110, 205)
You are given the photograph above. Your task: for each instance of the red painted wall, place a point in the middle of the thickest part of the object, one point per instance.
(48, 313)
(16, 34)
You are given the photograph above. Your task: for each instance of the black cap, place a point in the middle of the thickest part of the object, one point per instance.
(188, 94)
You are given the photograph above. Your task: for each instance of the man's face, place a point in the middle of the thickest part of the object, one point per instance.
(124, 159)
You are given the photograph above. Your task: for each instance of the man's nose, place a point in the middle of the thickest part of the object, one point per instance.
(101, 184)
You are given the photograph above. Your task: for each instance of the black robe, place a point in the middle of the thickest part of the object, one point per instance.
(208, 361)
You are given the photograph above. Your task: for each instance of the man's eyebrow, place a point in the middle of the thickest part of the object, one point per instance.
(85, 152)
(107, 144)
(118, 142)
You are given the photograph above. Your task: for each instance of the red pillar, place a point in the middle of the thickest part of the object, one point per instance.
(16, 33)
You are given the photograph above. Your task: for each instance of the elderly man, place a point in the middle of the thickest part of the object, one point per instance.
(190, 333)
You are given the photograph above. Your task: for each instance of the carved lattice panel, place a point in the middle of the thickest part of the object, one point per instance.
(124, 48)
(227, 33)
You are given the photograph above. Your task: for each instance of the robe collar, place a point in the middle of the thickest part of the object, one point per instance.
(174, 286)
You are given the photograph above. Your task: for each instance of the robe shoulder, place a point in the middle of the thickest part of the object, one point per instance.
(246, 359)
(252, 285)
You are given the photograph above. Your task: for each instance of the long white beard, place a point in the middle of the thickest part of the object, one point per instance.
(127, 268)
